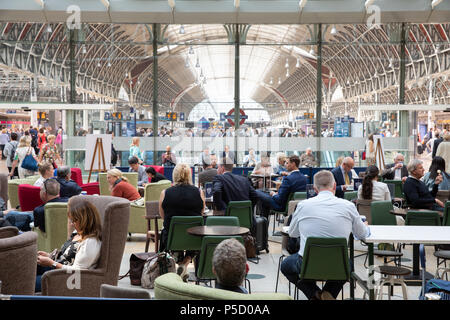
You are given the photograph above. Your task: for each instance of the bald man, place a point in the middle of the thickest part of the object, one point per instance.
(343, 176)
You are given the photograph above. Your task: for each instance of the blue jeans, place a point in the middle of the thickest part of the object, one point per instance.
(291, 267)
(21, 220)
(39, 272)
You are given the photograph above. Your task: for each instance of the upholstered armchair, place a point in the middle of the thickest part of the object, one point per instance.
(18, 261)
(115, 214)
(13, 189)
(55, 227)
(104, 186)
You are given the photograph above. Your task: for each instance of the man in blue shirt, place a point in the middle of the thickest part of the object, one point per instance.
(140, 169)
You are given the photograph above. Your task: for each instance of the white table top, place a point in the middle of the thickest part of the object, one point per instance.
(409, 234)
(406, 234)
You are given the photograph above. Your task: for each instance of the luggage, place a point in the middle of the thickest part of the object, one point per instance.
(262, 237)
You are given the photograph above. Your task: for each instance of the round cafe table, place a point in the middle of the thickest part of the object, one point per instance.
(217, 231)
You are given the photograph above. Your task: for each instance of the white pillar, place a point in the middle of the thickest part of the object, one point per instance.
(85, 120)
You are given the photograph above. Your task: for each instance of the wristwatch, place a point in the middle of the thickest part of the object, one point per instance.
(54, 264)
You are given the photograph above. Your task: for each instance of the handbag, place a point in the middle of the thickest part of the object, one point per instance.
(156, 266)
(249, 244)
(29, 162)
(137, 261)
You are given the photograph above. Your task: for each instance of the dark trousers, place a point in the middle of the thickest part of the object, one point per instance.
(39, 272)
(291, 267)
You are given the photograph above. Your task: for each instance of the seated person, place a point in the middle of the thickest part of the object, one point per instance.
(263, 168)
(82, 249)
(343, 176)
(437, 168)
(322, 216)
(417, 193)
(371, 188)
(120, 187)
(69, 187)
(46, 172)
(49, 193)
(294, 182)
(182, 199)
(140, 169)
(307, 159)
(168, 158)
(250, 159)
(154, 176)
(396, 170)
(229, 265)
(207, 175)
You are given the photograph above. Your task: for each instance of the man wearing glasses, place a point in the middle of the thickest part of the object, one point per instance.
(49, 193)
(343, 176)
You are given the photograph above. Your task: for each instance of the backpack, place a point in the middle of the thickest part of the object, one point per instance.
(156, 266)
(438, 287)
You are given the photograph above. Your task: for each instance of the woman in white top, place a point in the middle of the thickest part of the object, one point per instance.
(371, 188)
(86, 244)
(46, 171)
(23, 149)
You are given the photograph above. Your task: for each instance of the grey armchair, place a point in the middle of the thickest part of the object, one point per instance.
(18, 261)
(115, 214)
(4, 187)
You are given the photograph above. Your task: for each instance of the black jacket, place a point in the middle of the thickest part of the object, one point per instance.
(390, 175)
(418, 195)
(68, 188)
(232, 187)
(39, 213)
(435, 146)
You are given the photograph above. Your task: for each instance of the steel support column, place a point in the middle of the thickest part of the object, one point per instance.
(155, 91)
(319, 92)
(237, 83)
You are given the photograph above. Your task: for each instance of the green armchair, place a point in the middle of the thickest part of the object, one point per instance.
(138, 222)
(13, 189)
(104, 186)
(170, 286)
(55, 227)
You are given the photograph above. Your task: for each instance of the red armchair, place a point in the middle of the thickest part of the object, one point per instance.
(159, 169)
(91, 188)
(29, 197)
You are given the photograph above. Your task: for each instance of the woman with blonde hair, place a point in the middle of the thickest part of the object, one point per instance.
(82, 249)
(120, 187)
(370, 150)
(135, 151)
(183, 199)
(49, 152)
(23, 149)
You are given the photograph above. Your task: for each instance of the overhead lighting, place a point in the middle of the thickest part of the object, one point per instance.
(287, 73)
(171, 3)
(98, 64)
(390, 63)
(106, 4)
(271, 80)
(279, 80)
(197, 65)
(297, 65)
(201, 73)
(333, 30)
(312, 52)
(434, 3)
(191, 50)
(126, 74)
(302, 4)
(109, 64)
(49, 29)
(84, 49)
(186, 64)
(286, 65)
(181, 30)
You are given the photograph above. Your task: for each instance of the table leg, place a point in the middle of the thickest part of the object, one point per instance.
(156, 236)
(352, 259)
(416, 271)
(371, 272)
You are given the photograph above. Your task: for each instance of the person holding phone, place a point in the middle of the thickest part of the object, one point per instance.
(168, 158)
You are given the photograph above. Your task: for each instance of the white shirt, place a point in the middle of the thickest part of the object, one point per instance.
(398, 174)
(326, 216)
(380, 191)
(87, 255)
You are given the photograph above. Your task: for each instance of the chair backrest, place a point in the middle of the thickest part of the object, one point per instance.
(325, 259)
(299, 196)
(104, 185)
(242, 210)
(222, 221)
(108, 291)
(178, 238)
(153, 190)
(364, 208)
(398, 187)
(422, 218)
(446, 221)
(379, 211)
(159, 169)
(4, 186)
(13, 189)
(29, 197)
(18, 261)
(55, 227)
(443, 195)
(209, 244)
(75, 175)
(350, 195)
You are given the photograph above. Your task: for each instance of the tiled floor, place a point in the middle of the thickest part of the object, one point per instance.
(263, 275)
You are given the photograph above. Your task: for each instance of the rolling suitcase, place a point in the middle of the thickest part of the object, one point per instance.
(262, 238)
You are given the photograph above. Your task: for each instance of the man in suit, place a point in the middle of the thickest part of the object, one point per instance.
(396, 170)
(343, 176)
(69, 187)
(227, 154)
(232, 187)
(207, 175)
(295, 181)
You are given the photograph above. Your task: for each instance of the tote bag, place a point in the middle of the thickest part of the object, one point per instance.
(29, 162)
